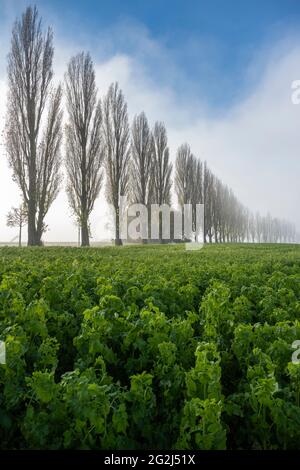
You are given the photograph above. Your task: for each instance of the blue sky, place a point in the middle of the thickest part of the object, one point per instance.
(212, 43)
(217, 72)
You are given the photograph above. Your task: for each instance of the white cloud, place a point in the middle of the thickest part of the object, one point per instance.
(253, 146)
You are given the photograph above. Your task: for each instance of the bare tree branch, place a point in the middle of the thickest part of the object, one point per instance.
(35, 163)
(117, 150)
(142, 151)
(84, 155)
(18, 217)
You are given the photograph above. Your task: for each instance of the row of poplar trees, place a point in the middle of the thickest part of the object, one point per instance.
(99, 142)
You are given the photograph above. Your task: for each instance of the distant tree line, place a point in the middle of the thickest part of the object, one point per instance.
(225, 218)
(101, 145)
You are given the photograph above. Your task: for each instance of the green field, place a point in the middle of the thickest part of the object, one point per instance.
(150, 347)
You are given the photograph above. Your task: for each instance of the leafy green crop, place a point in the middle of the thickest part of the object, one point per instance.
(150, 347)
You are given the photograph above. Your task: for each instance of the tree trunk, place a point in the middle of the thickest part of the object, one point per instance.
(32, 241)
(118, 241)
(31, 223)
(160, 227)
(20, 235)
(39, 231)
(145, 228)
(85, 239)
(149, 224)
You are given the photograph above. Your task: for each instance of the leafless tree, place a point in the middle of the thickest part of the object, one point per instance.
(217, 208)
(184, 179)
(208, 181)
(197, 191)
(116, 135)
(34, 154)
(162, 170)
(17, 217)
(142, 160)
(49, 161)
(184, 174)
(84, 149)
(225, 218)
